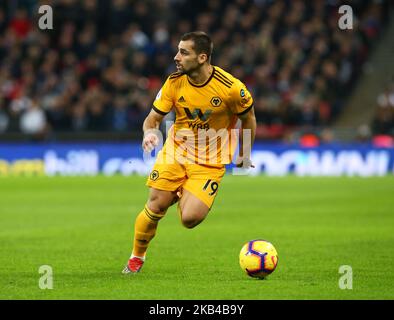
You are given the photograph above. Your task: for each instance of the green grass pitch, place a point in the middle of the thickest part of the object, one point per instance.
(83, 227)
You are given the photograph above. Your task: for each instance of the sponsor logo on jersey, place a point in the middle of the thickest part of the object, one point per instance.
(244, 101)
(197, 113)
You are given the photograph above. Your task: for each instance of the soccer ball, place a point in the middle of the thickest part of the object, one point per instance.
(258, 258)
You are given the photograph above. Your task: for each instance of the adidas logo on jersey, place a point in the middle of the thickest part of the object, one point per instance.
(181, 99)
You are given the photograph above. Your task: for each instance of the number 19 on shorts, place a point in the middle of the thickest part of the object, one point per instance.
(211, 187)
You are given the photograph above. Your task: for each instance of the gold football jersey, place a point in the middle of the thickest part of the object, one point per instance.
(205, 115)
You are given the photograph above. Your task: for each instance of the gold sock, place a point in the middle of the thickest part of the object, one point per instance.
(144, 230)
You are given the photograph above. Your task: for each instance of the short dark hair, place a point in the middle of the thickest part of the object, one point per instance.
(202, 42)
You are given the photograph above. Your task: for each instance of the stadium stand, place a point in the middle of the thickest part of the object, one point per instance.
(101, 66)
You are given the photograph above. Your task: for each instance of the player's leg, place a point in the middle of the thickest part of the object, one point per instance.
(147, 221)
(192, 210)
(146, 225)
(199, 193)
(163, 181)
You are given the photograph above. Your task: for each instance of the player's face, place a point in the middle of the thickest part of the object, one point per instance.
(186, 59)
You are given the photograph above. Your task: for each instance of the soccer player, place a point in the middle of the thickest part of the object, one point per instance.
(206, 99)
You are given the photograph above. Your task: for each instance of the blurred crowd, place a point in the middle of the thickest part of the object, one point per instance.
(383, 121)
(103, 62)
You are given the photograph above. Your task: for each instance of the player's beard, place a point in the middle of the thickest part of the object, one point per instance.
(192, 70)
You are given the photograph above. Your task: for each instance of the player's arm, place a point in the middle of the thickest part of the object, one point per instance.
(150, 128)
(161, 106)
(248, 121)
(242, 105)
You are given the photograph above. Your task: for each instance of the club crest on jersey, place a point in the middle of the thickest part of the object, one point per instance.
(154, 175)
(216, 101)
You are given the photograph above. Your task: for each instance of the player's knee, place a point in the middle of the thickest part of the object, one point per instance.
(159, 202)
(156, 205)
(191, 220)
(190, 223)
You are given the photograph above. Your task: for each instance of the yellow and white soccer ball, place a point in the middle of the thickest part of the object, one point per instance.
(258, 258)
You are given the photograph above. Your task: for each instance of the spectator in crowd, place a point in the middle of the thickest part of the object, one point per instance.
(4, 119)
(33, 121)
(383, 122)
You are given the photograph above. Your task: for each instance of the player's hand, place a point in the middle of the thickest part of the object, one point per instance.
(150, 141)
(244, 163)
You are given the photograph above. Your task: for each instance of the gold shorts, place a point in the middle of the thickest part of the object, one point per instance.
(199, 179)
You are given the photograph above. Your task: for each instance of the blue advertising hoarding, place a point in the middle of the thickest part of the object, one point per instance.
(89, 159)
